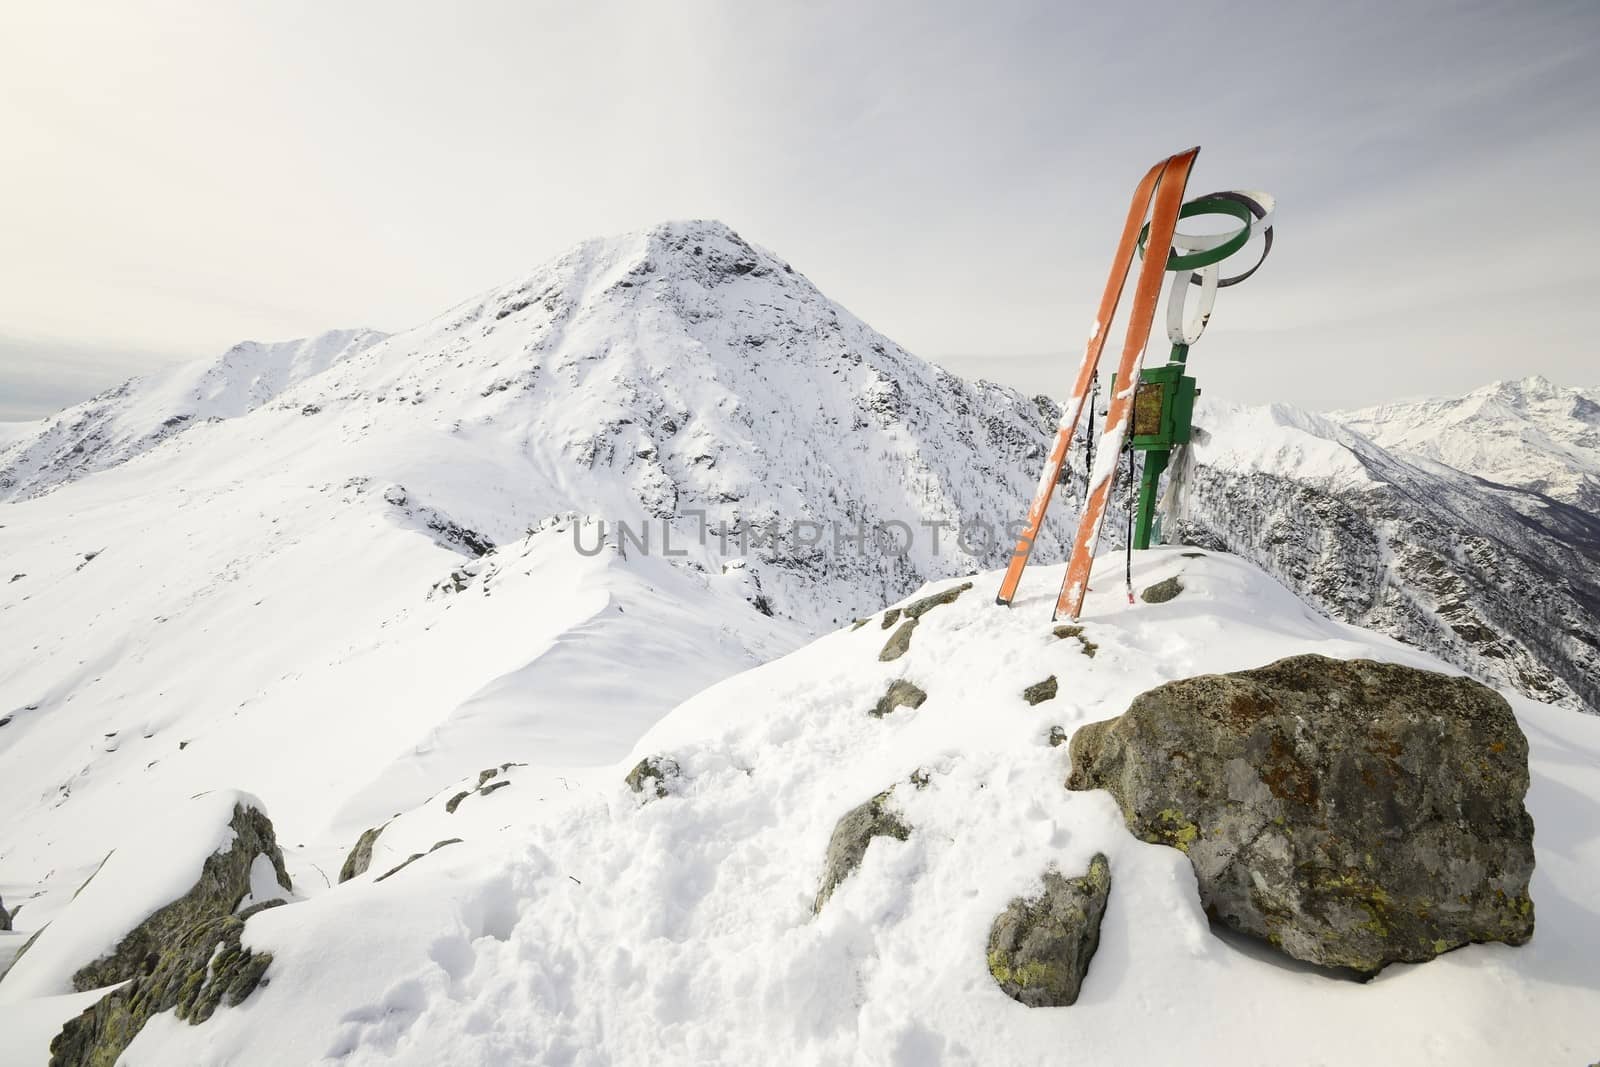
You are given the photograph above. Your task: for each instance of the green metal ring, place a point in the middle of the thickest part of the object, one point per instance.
(1207, 205)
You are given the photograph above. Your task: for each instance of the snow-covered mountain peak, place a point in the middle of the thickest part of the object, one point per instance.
(1529, 433)
(141, 413)
(1279, 439)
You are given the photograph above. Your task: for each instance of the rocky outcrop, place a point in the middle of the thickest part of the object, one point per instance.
(205, 967)
(899, 642)
(851, 836)
(1352, 813)
(902, 693)
(1040, 948)
(1039, 692)
(224, 882)
(5, 916)
(1088, 646)
(415, 856)
(1162, 591)
(186, 957)
(484, 788)
(652, 774)
(360, 858)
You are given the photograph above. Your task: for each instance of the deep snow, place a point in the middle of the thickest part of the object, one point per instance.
(578, 925)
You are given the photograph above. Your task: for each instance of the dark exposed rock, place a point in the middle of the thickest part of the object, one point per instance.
(1040, 947)
(1039, 692)
(360, 857)
(224, 881)
(902, 693)
(899, 642)
(851, 836)
(890, 617)
(5, 916)
(1089, 647)
(653, 773)
(918, 608)
(1352, 813)
(1058, 737)
(1162, 591)
(454, 802)
(204, 968)
(186, 957)
(415, 856)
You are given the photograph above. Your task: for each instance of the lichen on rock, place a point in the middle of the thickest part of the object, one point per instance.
(1040, 947)
(224, 881)
(1039, 692)
(851, 835)
(185, 957)
(1089, 647)
(206, 967)
(1162, 591)
(1351, 813)
(902, 693)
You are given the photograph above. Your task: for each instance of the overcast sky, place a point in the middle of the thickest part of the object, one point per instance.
(175, 177)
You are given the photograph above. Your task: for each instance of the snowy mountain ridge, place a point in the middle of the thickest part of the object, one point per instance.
(386, 567)
(1500, 581)
(1530, 433)
(139, 414)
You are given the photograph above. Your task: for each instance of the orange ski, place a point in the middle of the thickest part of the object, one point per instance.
(1146, 294)
(1080, 386)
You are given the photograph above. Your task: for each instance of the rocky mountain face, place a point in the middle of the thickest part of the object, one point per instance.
(1500, 581)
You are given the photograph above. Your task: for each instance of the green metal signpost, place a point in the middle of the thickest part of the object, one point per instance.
(1163, 406)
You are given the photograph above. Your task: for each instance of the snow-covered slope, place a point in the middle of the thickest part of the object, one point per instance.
(577, 923)
(342, 595)
(1411, 548)
(139, 414)
(1530, 434)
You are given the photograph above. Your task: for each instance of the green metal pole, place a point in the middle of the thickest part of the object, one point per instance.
(1154, 463)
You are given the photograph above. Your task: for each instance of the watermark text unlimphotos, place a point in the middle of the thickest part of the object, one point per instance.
(778, 536)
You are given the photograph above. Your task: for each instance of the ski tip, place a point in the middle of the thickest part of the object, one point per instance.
(1002, 601)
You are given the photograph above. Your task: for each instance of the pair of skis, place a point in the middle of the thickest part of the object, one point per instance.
(1163, 187)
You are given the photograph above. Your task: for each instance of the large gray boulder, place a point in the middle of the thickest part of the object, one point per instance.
(1352, 813)
(1040, 947)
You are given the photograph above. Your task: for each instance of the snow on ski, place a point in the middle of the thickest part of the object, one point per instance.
(1147, 292)
(1073, 408)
